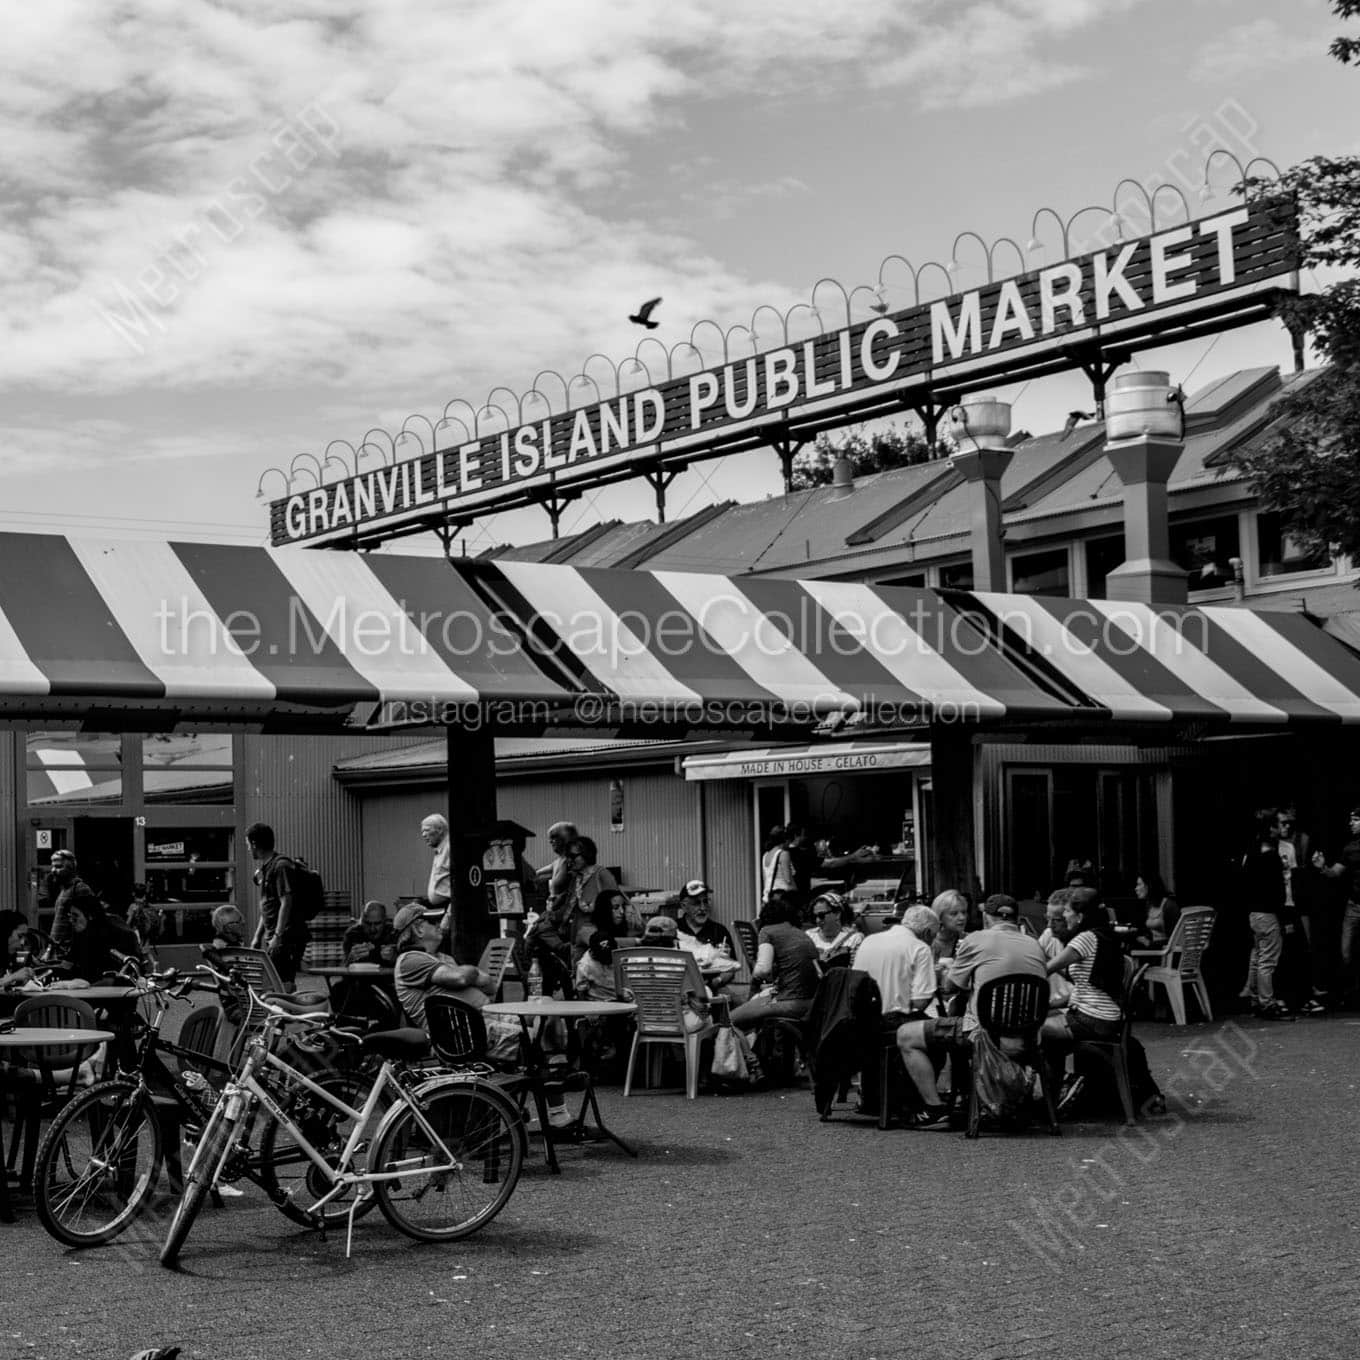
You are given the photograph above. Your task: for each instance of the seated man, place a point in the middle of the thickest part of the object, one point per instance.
(372, 938)
(994, 951)
(693, 919)
(1053, 941)
(423, 972)
(900, 960)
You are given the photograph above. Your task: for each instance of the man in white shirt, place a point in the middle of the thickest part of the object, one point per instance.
(1053, 941)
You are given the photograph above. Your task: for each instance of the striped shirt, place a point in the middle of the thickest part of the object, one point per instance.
(1090, 1000)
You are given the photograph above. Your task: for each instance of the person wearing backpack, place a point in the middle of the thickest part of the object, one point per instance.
(290, 895)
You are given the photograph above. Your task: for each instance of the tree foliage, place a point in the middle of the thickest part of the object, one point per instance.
(877, 452)
(1308, 465)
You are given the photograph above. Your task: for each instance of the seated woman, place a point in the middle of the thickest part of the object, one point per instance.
(834, 936)
(1094, 963)
(952, 910)
(100, 943)
(14, 940)
(1162, 911)
(784, 980)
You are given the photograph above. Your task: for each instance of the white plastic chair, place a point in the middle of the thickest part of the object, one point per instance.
(1177, 965)
(659, 981)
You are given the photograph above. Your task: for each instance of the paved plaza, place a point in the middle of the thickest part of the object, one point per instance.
(1227, 1228)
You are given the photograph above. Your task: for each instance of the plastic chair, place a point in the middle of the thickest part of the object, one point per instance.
(1014, 1007)
(495, 960)
(1177, 965)
(46, 1078)
(659, 981)
(258, 969)
(748, 938)
(199, 1034)
(1115, 1052)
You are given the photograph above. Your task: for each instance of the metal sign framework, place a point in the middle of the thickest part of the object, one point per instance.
(1090, 312)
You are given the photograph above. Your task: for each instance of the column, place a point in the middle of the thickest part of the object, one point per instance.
(472, 810)
(980, 427)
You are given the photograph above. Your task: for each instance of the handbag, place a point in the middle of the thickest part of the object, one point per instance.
(729, 1060)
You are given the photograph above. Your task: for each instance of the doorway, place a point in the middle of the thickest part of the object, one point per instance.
(771, 810)
(106, 853)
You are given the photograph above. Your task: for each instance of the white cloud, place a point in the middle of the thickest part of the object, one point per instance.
(1251, 48)
(282, 194)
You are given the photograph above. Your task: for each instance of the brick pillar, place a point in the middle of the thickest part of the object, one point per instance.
(1144, 464)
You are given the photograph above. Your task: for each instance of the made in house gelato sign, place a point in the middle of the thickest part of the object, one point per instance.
(1127, 292)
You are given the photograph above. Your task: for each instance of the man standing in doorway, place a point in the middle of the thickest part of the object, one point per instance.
(434, 831)
(282, 932)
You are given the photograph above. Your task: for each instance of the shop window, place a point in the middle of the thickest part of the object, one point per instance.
(1103, 555)
(73, 767)
(1041, 573)
(188, 767)
(189, 871)
(956, 576)
(1205, 548)
(1279, 553)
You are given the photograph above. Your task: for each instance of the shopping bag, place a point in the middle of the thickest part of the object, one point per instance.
(729, 1056)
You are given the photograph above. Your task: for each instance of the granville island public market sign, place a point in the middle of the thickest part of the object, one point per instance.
(1126, 292)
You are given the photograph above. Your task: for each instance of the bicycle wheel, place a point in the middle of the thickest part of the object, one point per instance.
(288, 1176)
(96, 1169)
(455, 1185)
(217, 1134)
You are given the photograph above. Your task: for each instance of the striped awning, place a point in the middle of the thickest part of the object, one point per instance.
(152, 634)
(1160, 663)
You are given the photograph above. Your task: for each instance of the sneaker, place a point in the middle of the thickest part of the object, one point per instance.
(1312, 1007)
(1071, 1089)
(559, 1117)
(932, 1119)
(1276, 1010)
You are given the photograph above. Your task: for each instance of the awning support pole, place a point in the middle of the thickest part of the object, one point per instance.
(472, 809)
(1092, 362)
(784, 445)
(953, 859)
(658, 479)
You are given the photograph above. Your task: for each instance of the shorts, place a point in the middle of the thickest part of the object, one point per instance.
(944, 1031)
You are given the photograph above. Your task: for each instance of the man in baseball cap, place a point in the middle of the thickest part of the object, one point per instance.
(694, 919)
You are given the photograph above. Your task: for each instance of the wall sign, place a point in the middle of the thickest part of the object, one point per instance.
(1128, 292)
(616, 804)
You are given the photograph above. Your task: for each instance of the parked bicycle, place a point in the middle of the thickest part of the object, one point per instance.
(97, 1169)
(442, 1164)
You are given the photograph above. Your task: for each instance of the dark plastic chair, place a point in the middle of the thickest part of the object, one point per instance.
(748, 938)
(199, 1034)
(1014, 1007)
(1114, 1053)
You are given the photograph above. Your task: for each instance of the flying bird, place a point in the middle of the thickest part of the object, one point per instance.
(1072, 418)
(158, 1353)
(643, 315)
(880, 307)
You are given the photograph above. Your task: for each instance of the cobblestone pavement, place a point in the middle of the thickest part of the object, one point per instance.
(1228, 1228)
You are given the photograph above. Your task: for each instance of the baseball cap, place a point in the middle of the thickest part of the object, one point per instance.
(407, 917)
(696, 887)
(1001, 906)
(661, 925)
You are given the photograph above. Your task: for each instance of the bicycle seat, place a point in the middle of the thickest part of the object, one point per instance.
(295, 1004)
(397, 1043)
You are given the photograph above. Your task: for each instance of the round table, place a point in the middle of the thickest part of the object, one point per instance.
(374, 971)
(536, 1065)
(38, 1037)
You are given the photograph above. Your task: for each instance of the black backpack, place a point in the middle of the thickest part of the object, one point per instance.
(309, 892)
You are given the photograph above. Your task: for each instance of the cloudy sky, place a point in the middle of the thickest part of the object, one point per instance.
(232, 232)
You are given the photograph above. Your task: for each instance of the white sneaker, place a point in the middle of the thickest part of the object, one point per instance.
(559, 1117)
(230, 1192)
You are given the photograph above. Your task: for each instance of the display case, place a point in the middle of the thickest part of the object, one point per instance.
(506, 878)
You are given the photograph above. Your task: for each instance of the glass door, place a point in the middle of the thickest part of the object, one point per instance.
(771, 810)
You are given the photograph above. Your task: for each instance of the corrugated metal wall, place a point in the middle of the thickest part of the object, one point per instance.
(730, 848)
(288, 783)
(12, 895)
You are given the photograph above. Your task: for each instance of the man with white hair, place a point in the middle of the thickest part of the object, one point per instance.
(434, 831)
(998, 950)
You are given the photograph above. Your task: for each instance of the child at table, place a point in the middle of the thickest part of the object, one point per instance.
(595, 972)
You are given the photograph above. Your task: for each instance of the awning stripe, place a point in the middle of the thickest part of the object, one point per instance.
(686, 633)
(1305, 658)
(613, 653)
(169, 621)
(63, 624)
(757, 640)
(369, 627)
(282, 638)
(1163, 633)
(930, 677)
(1118, 683)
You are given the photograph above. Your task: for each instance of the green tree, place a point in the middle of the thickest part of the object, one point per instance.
(876, 452)
(1308, 465)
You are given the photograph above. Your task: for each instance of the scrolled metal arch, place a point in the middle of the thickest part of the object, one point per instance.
(1179, 192)
(545, 372)
(403, 432)
(1092, 207)
(769, 307)
(326, 454)
(318, 475)
(683, 345)
(636, 363)
(1014, 245)
(727, 338)
(581, 377)
(613, 368)
(908, 266)
(515, 396)
(468, 434)
(652, 340)
(386, 434)
(259, 486)
(932, 264)
(875, 293)
(335, 458)
(708, 321)
(1149, 200)
(821, 329)
(492, 406)
(1035, 243)
(378, 451)
(1209, 166)
(1264, 160)
(954, 253)
(826, 278)
(542, 396)
(459, 401)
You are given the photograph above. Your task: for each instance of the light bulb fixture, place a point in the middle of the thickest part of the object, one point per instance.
(1033, 244)
(952, 267)
(1205, 193)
